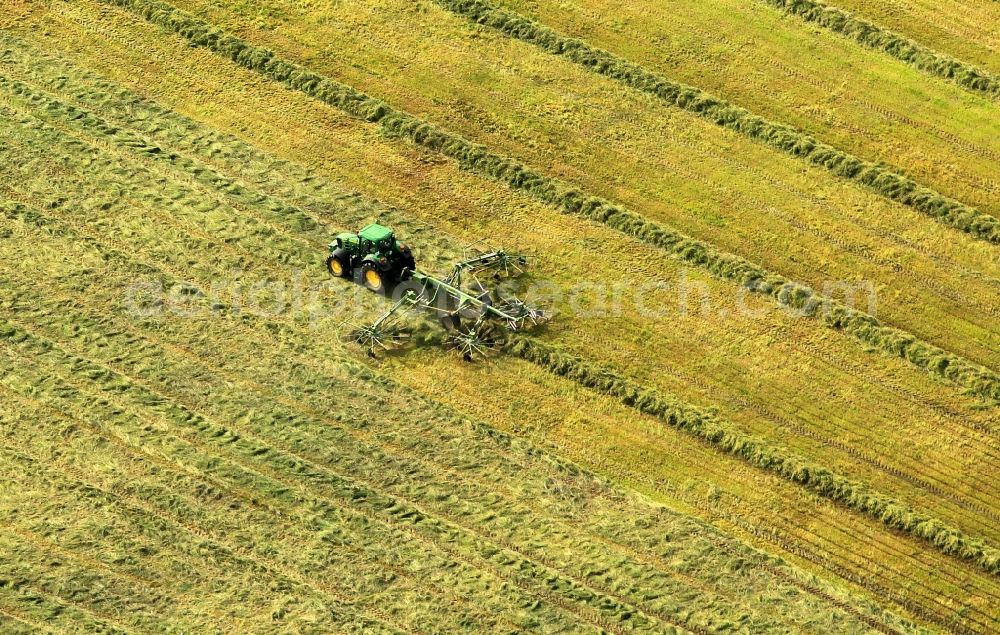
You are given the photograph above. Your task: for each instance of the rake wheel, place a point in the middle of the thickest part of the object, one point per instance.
(374, 337)
(471, 344)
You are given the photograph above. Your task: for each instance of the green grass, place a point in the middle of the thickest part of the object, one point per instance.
(883, 180)
(755, 451)
(322, 495)
(270, 485)
(977, 379)
(902, 48)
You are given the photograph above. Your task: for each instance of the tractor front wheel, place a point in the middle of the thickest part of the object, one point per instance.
(372, 277)
(338, 265)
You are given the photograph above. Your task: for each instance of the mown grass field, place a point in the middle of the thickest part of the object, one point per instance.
(232, 472)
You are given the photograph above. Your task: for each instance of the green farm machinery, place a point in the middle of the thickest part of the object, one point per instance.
(465, 307)
(374, 251)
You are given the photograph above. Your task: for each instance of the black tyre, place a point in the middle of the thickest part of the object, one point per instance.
(406, 261)
(339, 264)
(372, 277)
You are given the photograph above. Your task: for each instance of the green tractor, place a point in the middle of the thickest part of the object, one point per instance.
(374, 250)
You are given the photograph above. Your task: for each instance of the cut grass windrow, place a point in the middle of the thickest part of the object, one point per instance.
(881, 506)
(244, 443)
(295, 217)
(89, 337)
(49, 107)
(138, 142)
(758, 452)
(881, 39)
(974, 378)
(892, 185)
(188, 373)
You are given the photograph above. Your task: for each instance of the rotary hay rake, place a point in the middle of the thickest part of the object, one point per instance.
(454, 304)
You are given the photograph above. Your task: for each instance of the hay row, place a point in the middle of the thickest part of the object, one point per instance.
(478, 159)
(79, 322)
(276, 444)
(149, 189)
(881, 39)
(377, 551)
(281, 423)
(250, 560)
(303, 447)
(84, 119)
(80, 118)
(884, 181)
(758, 452)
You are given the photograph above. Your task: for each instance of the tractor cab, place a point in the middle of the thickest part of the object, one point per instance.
(374, 249)
(377, 239)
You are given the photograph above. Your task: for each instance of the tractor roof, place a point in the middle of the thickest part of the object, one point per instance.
(375, 232)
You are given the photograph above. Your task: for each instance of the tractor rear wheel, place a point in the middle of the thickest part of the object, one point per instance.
(406, 261)
(372, 277)
(338, 265)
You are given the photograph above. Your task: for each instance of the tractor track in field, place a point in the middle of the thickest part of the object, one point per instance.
(871, 585)
(774, 538)
(846, 564)
(131, 504)
(548, 563)
(839, 564)
(464, 560)
(397, 450)
(208, 535)
(880, 39)
(13, 615)
(235, 251)
(444, 468)
(848, 538)
(49, 547)
(227, 488)
(253, 500)
(236, 256)
(39, 587)
(783, 422)
(484, 534)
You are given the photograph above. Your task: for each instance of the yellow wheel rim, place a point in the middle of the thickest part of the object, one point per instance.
(335, 267)
(373, 279)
